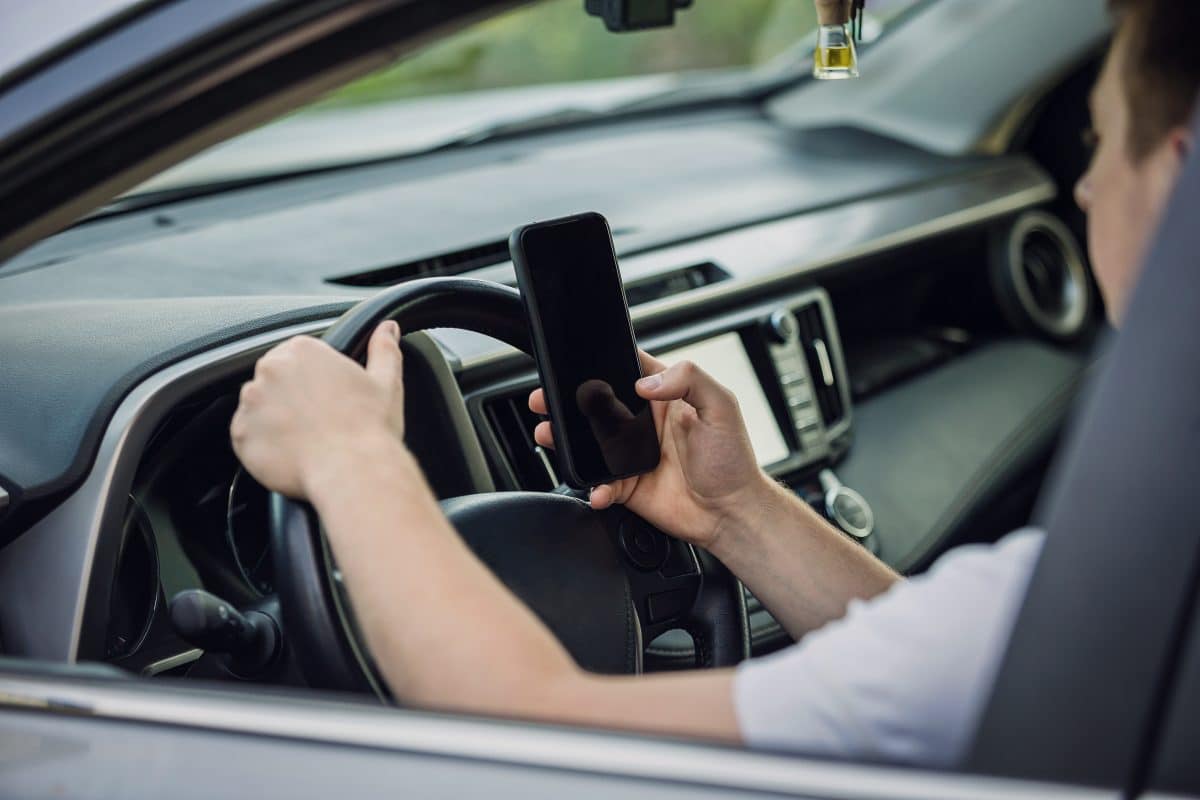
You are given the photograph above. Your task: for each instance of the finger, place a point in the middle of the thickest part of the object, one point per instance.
(611, 494)
(543, 434)
(602, 496)
(237, 427)
(650, 364)
(384, 362)
(250, 393)
(537, 402)
(622, 489)
(685, 381)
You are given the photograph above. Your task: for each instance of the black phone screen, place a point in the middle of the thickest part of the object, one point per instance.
(587, 354)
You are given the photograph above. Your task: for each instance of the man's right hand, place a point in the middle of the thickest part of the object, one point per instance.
(707, 477)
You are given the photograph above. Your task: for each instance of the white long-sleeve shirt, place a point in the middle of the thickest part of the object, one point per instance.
(901, 678)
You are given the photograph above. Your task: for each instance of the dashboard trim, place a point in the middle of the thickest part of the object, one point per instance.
(171, 662)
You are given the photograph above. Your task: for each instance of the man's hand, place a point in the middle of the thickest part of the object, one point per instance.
(311, 414)
(308, 404)
(707, 475)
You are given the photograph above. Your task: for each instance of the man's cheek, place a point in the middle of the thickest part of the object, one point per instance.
(1106, 248)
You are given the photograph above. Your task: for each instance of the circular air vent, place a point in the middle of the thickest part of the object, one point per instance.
(1040, 278)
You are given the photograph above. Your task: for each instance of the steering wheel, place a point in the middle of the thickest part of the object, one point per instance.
(604, 582)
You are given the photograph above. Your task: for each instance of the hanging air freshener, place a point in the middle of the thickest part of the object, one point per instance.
(840, 22)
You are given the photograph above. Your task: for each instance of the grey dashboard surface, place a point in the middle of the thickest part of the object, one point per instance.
(929, 450)
(659, 181)
(65, 363)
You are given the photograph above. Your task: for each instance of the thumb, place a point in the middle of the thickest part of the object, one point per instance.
(384, 361)
(685, 381)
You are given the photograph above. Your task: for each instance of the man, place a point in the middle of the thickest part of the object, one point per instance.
(886, 670)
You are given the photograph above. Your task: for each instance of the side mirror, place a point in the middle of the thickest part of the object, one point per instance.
(635, 15)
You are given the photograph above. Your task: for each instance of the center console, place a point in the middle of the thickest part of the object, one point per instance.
(784, 363)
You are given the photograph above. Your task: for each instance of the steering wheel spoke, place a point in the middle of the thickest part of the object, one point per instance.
(676, 585)
(665, 593)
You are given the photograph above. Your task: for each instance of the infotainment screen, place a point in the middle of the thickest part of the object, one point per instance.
(724, 357)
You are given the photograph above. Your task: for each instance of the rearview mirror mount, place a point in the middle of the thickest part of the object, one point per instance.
(621, 16)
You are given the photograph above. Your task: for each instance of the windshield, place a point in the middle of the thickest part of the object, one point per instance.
(552, 42)
(543, 63)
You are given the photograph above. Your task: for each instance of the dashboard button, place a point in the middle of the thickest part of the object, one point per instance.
(790, 378)
(788, 362)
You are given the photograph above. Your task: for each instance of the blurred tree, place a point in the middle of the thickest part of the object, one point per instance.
(552, 41)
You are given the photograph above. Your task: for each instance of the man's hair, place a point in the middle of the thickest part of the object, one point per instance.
(1161, 73)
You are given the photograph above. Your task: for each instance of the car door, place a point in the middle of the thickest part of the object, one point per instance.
(91, 734)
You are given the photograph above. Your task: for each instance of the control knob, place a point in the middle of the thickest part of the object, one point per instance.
(781, 327)
(847, 508)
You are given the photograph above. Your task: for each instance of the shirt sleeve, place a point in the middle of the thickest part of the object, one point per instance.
(901, 678)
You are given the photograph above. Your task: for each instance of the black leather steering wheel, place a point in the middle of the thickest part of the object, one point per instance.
(603, 581)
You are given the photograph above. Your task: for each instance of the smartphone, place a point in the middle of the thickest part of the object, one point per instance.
(586, 354)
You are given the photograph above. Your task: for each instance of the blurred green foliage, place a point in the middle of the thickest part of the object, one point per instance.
(554, 42)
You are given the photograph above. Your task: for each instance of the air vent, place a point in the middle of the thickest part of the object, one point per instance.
(513, 423)
(453, 263)
(673, 283)
(822, 366)
(1040, 278)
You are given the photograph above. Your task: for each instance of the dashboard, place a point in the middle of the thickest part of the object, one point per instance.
(868, 339)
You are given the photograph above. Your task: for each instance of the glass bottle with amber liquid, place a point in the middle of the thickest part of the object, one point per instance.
(835, 57)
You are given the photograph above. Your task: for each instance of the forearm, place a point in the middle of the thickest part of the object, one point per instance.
(803, 569)
(447, 634)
